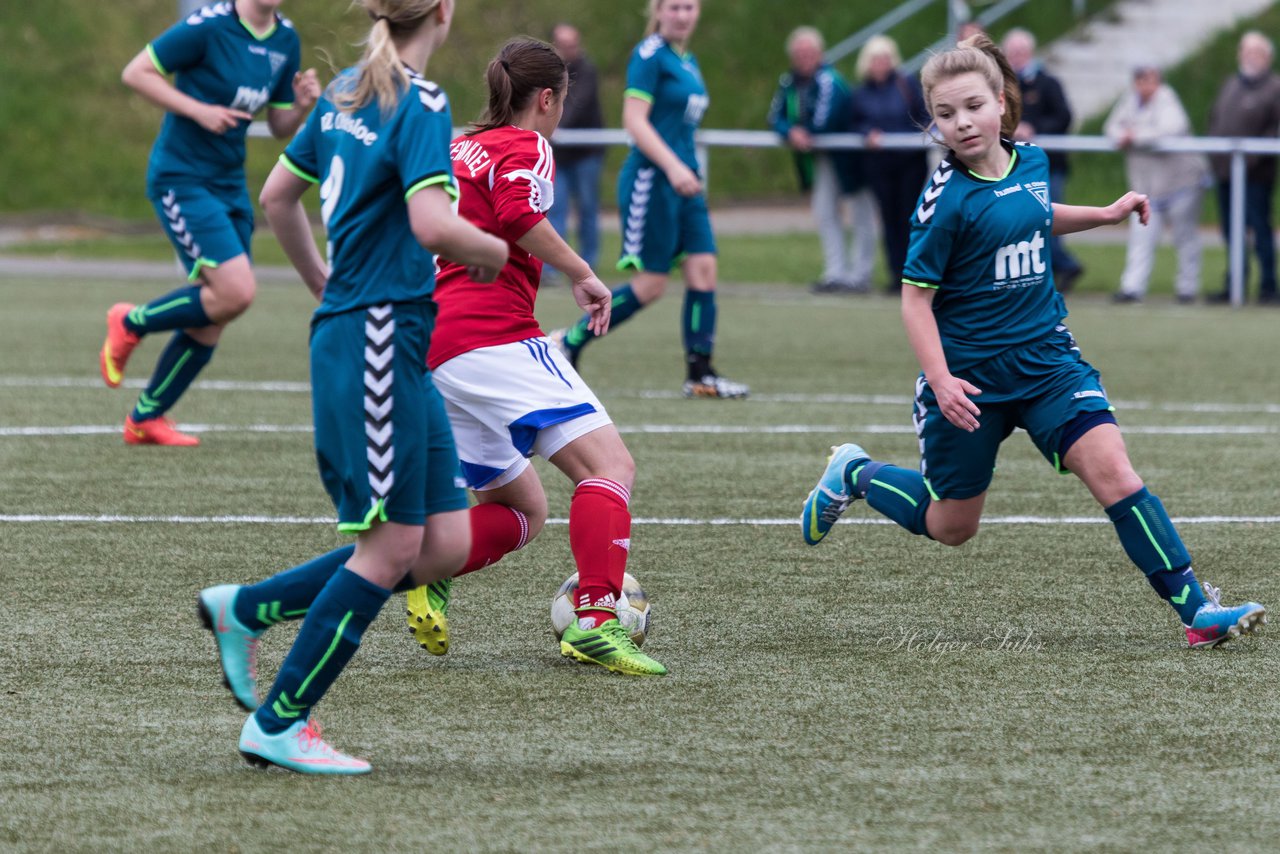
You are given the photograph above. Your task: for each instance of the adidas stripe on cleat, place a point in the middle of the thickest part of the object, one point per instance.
(833, 494)
(299, 748)
(1216, 623)
(610, 646)
(428, 609)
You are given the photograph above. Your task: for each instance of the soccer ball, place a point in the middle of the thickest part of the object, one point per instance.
(633, 607)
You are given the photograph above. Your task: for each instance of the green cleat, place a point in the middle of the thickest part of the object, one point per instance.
(610, 646)
(428, 608)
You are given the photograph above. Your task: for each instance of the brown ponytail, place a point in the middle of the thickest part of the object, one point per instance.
(523, 68)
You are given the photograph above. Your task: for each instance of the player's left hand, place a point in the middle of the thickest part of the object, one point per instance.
(306, 89)
(1130, 203)
(594, 297)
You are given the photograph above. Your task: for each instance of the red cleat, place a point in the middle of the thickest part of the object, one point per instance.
(156, 431)
(119, 344)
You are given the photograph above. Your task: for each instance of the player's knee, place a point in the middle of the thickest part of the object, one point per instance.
(237, 299)
(954, 532)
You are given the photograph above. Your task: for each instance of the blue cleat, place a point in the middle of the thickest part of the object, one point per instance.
(833, 494)
(1216, 623)
(237, 645)
(299, 748)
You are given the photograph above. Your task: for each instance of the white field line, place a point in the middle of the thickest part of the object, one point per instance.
(669, 429)
(288, 387)
(113, 519)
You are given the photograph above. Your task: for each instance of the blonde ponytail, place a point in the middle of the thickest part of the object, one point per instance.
(381, 74)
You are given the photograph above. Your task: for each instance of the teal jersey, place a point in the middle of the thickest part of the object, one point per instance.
(983, 243)
(368, 164)
(216, 58)
(672, 84)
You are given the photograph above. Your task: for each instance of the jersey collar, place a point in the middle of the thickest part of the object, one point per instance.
(1013, 161)
(275, 23)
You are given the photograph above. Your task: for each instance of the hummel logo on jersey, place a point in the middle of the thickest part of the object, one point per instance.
(250, 100)
(431, 95)
(1016, 188)
(650, 46)
(624, 544)
(1021, 259)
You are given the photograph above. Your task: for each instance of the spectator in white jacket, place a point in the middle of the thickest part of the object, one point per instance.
(1174, 182)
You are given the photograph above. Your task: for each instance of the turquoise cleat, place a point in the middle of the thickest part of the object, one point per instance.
(299, 748)
(1216, 623)
(237, 645)
(833, 494)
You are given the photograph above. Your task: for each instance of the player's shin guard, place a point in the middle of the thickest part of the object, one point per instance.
(181, 362)
(180, 309)
(287, 595)
(600, 537)
(625, 304)
(698, 322)
(329, 636)
(1152, 543)
(901, 494)
(496, 530)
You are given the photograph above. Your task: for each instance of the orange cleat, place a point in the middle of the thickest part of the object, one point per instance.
(119, 344)
(156, 431)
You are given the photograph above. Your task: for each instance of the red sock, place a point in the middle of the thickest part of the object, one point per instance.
(496, 530)
(600, 537)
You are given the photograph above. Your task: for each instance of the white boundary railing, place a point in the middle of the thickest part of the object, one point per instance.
(1236, 147)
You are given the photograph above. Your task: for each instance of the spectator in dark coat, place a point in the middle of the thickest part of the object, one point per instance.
(888, 101)
(812, 100)
(1249, 105)
(577, 181)
(1044, 110)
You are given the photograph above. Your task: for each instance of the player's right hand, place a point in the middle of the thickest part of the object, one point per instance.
(953, 396)
(684, 181)
(218, 119)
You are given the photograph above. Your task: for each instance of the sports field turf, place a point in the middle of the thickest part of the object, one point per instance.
(1027, 691)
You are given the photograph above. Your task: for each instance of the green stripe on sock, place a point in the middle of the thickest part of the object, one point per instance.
(1155, 545)
(895, 490)
(337, 639)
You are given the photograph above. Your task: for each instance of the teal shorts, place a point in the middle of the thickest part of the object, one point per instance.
(205, 226)
(659, 226)
(1045, 388)
(383, 441)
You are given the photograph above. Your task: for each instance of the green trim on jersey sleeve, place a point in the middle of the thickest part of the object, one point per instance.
(289, 164)
(281, 106)
(447, 180)
(928, 285)
(155, 60)
(647, 97)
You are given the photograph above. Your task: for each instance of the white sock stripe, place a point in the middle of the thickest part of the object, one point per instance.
(611, 485)
(524, 529)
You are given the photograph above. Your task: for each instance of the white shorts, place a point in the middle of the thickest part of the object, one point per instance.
(509, 402)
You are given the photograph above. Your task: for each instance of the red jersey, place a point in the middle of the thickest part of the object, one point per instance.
(505, 176)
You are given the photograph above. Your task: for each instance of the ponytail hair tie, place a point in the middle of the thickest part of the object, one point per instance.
(377, 18)
(505, 67)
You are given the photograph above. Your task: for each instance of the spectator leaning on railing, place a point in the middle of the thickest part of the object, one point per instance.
(813, 99)
(1173, 181)
(1249, 105)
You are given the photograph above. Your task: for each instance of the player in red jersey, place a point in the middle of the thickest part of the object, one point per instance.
(509, 392)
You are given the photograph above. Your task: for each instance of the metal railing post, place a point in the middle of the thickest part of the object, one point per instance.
(1235, 246)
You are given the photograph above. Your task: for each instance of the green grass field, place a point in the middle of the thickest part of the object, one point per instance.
(1024, 692)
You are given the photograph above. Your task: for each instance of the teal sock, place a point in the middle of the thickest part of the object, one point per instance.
(180, 309)
(625, 304)
(901, 494)
(698, 322)
(1152, 543)
(329, 636)
(181, 362)
(287, 595)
